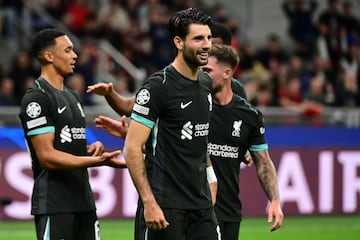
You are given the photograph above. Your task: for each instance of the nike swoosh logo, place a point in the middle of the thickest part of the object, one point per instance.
(61, 110)
(184, 105)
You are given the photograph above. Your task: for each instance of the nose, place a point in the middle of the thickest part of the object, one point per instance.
(75, 55)
(207, 43)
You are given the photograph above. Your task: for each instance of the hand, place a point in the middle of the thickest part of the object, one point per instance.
(248, 159)
(102, 89)
(95, 149)
(275, 210)
(154, 216)
(112, 159)
(113, 127)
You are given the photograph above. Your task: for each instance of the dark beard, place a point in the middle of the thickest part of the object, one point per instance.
(191, 60)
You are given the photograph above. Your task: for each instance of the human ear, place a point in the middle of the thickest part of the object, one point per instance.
(48, 56)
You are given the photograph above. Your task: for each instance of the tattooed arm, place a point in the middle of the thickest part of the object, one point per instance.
(266, 173)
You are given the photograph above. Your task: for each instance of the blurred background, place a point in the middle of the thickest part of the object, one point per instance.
(300, 66)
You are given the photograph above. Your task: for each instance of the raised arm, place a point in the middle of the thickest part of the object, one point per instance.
(120, 104)
(266, 173)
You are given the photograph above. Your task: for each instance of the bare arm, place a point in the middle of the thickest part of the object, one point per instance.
(52, 159)
(136, 137)
(266, 173)
(120, 104)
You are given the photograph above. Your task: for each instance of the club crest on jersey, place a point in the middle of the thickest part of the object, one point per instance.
(33, 109)
(143, 97)
(237, 130)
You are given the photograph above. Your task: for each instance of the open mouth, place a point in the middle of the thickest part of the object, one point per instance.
(204, 55)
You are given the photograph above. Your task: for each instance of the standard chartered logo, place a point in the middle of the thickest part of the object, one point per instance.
(188, 131)
(225, 151)
(68, 134)
(65, 134)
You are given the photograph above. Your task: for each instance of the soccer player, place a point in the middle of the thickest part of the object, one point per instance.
(235, 127)
(53, 120)
(173, 109)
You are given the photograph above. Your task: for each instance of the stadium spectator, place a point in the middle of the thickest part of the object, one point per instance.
(348, 95)
(296, 67)
(350, 61)
(86, 66)
(161, 49)
(23, 72)
(7, 97)
(272, 56)
(76, 16)
(301, 27)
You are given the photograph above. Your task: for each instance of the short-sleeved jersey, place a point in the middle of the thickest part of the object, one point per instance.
(238, 88)
(44, 110)
(177, 110)
(234, 128)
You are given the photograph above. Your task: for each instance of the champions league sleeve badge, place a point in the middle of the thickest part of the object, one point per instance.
(33, 109)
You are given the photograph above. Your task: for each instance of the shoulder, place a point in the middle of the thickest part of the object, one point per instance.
(238, 88)
(36, 91)
(244, 104)
(205, 79)
(156, 79)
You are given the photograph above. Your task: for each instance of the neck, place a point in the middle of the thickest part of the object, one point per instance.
(188, 71)
(224, 95)
(54, 79)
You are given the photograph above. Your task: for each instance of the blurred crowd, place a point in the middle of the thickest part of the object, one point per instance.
(320, 69)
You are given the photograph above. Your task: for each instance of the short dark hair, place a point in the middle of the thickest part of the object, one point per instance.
(225, 54)
(180, 21)
(43, 40)
(219, 30)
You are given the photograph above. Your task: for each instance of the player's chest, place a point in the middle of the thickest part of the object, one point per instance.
(189, 105)
(66, 108)
(230, 128)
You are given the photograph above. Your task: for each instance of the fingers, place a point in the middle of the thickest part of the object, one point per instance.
(100, 88)
(95, 149)
(157, 225)
(275, 226)
(123, 121)
(279, 217)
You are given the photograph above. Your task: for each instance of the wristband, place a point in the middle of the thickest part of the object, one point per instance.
(211, 177)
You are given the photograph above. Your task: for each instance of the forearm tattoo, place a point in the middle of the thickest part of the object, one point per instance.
(266, 173)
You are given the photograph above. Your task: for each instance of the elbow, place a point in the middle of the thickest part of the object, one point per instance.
(46, 162)
(47, 165)
(126, 152)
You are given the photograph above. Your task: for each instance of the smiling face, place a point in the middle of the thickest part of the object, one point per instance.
(62, 56)
(196, 45)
